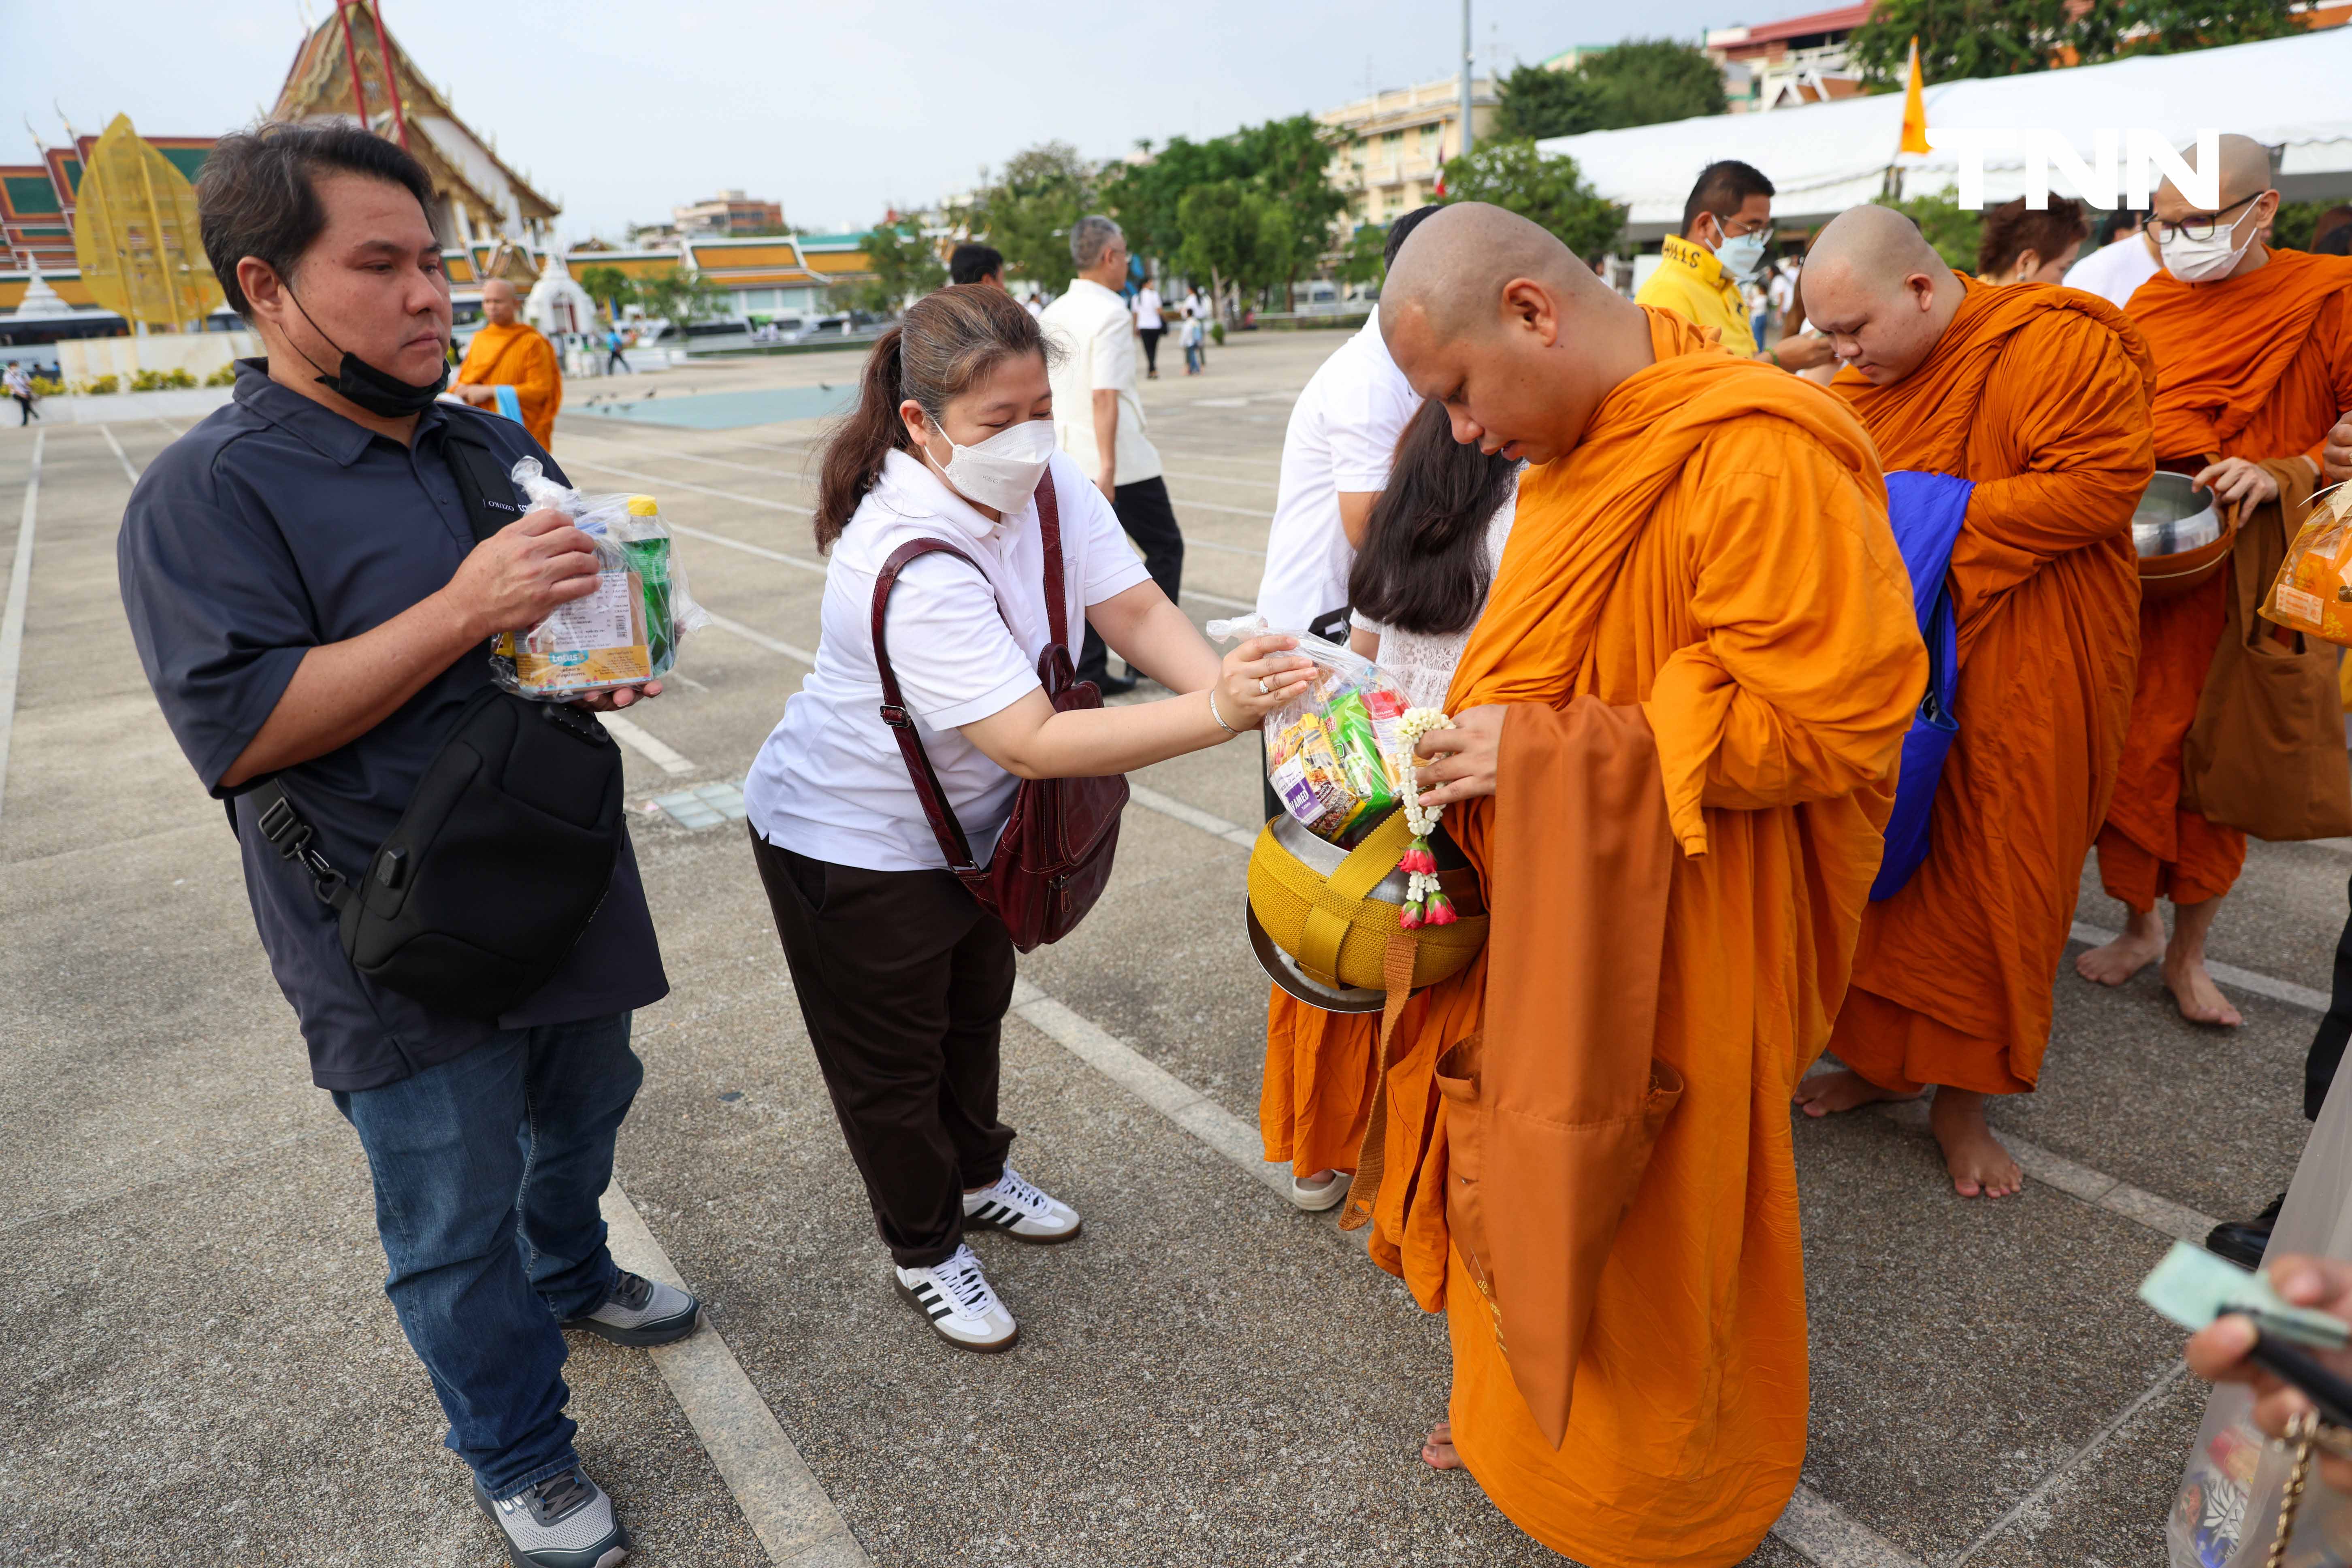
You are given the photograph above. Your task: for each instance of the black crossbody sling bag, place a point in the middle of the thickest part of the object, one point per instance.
(506, 849)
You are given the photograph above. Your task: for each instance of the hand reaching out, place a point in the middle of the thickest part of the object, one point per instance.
(2217, 1352)
(1259, 676)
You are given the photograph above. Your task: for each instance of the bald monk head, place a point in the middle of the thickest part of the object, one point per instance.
(1878, 289)
(1494, 318)
(498, 302)
(2208, 245)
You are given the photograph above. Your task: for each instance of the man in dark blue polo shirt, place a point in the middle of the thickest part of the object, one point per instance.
(311, 606)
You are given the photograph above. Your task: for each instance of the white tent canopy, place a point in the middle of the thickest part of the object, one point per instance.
(2294, 94)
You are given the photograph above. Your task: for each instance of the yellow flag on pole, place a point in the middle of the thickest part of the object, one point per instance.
(1915, 108)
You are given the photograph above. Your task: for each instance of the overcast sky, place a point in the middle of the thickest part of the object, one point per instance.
(622, 109)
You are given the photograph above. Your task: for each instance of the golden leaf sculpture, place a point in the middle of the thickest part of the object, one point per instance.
(135, 234)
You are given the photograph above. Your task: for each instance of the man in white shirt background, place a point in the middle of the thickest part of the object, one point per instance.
(2114, 271)
(1099, 417)
(1336, 455)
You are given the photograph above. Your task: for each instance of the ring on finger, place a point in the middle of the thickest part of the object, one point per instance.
(1262, 690)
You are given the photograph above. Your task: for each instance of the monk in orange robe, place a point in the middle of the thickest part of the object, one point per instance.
(1678, 722)
(2254, 361)
(2040, 396)
(1315, 1098)
(510, 352)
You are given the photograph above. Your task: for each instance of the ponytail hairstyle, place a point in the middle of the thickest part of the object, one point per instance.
(946, 341)
(1423, 566)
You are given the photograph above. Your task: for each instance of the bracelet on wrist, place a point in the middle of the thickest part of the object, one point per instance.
(1220, 718)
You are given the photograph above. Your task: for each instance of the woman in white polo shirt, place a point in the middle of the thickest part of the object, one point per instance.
(903, 979)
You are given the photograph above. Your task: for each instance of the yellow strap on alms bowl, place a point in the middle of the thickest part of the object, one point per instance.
(1342, 897)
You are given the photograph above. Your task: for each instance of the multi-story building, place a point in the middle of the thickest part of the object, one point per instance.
(728, 213)
(1801, 60)
(1397, 142)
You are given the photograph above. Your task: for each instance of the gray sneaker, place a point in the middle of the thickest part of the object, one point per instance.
(641, 1311)
(564, 1521)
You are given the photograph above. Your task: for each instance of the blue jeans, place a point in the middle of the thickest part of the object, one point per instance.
(1192, 357)
(487, 1169)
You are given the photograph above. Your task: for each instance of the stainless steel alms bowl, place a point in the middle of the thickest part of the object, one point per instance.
(2174, 518)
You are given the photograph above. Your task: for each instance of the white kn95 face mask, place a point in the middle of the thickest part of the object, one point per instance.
(1001, 471)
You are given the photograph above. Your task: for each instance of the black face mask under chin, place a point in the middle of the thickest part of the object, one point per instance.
(363, 385)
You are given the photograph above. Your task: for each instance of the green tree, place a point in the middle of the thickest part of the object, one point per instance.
(609, 287)
(1290, 159)
(680, 297)
(1643, 81)
(1536, 102)
(1549, 191)
(905, 264)
(1027, 212)
(1225, 227)
(1287, 162)
(1950, 228)
(2295, 222)
(1958, 39)
(1638, 82)
(2121, 28)
(1362, 262)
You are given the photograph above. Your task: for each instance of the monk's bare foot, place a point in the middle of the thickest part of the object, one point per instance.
(1438, 1452)
(1827, 1093)
(2201, 1000)
(1979, 1166)
(2112, 964)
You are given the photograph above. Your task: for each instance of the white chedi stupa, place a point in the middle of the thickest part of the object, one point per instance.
(557, 303)
(40, 302)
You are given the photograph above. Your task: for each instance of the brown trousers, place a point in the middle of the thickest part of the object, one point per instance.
(903, 982)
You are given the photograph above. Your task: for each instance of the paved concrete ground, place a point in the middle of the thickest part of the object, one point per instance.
(198, 1361)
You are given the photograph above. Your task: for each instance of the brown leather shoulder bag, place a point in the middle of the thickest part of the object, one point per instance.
(1053, 858)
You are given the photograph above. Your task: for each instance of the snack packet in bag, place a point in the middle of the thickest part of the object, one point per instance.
(624, 634)
(2313, 593)
(1337, 754)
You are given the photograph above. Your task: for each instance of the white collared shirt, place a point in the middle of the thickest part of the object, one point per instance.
(2114, 272)
(829, 783)
(1342, 437)
(1096, 336)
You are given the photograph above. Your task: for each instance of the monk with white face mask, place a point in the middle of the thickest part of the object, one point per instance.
(2254, 361)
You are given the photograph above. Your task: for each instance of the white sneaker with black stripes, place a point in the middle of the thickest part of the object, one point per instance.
(957, 1300)
(1020, 1211)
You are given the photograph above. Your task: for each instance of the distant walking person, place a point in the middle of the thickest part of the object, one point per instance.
(971, 263)
(1192, 336)
(1199, 308)
(1148, 326)
(903, 977)
(1099, 417)
(311, 576)
(613, 351)
(20, 387)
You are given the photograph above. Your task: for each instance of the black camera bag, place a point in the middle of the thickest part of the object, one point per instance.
(506, 849)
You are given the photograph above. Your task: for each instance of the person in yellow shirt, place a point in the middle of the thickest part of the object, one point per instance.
(1726, 240)
(510, 352)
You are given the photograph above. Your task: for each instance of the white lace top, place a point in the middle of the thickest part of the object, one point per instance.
(1422, 662)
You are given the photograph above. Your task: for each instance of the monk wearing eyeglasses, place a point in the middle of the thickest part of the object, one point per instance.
(2254, 361)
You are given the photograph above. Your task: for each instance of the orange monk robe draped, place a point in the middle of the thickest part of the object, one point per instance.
(1312, 1103)
(520, 357)
(2258, 366)
(1715, 550)
(2040, 396)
